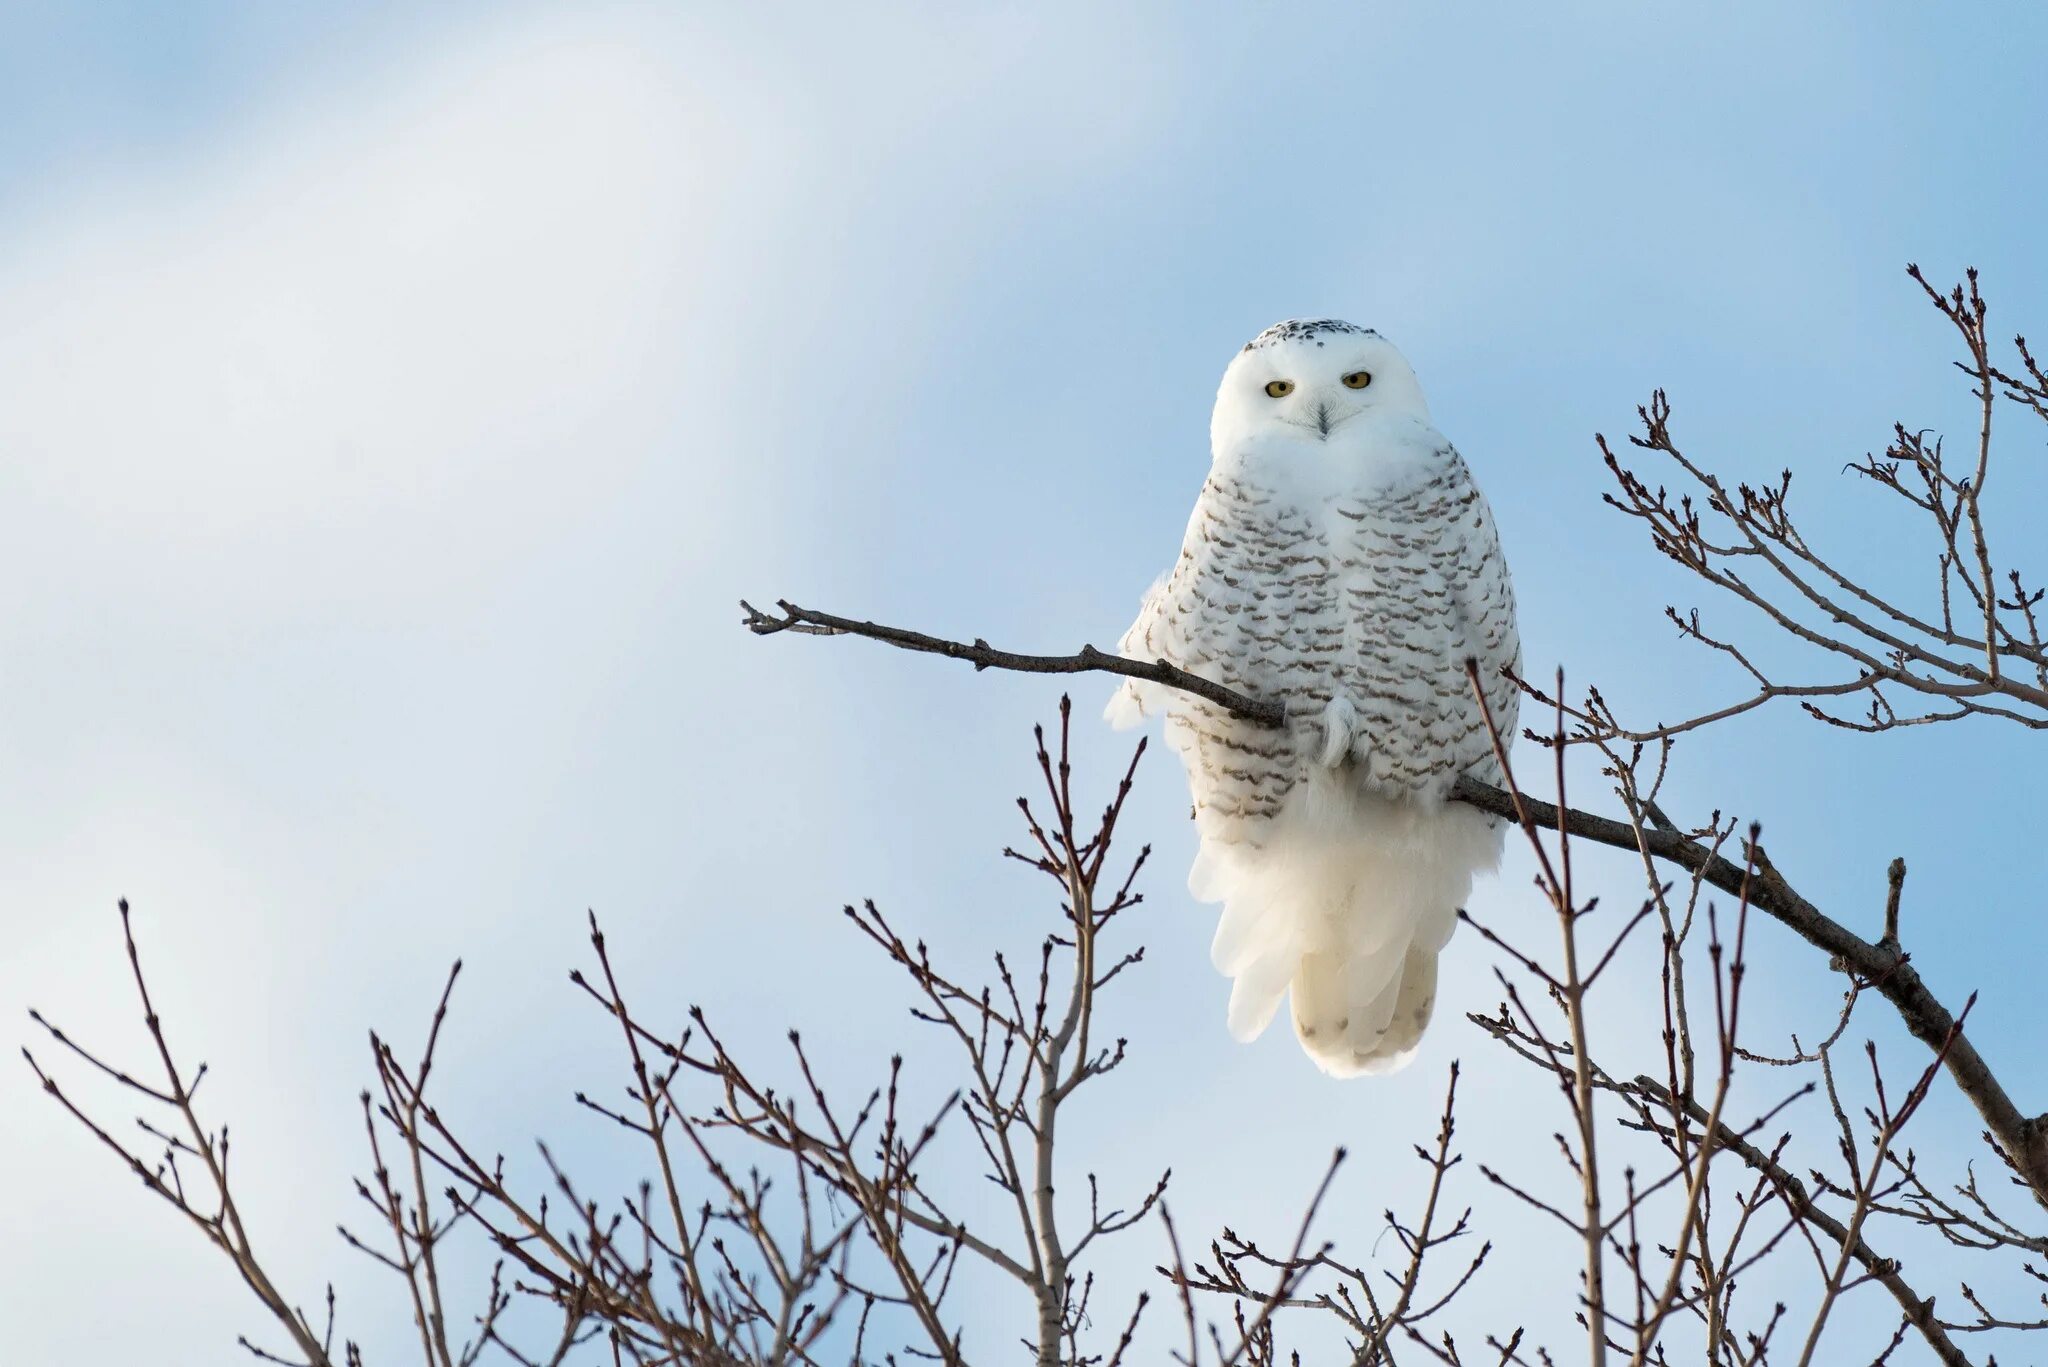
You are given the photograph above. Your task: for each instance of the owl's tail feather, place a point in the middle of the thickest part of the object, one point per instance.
(1348, 920)
(1349, 1033)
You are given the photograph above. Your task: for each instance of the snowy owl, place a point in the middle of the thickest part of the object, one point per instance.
(1341, 561)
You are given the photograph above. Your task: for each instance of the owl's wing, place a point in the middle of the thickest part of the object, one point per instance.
(1165, 629)
(1483, 603)
(1128, 706)
(1484, 598)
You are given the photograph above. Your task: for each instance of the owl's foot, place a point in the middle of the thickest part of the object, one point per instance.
(1340, 729)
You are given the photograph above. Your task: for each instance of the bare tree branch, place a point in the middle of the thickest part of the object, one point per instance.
(2021, 1138)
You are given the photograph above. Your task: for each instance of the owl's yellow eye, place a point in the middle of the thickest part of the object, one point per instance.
(1358, 379)
(1279, 389)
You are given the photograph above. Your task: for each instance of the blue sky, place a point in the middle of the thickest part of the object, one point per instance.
(393, 410)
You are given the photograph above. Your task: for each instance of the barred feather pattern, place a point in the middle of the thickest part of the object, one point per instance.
(1350, 578)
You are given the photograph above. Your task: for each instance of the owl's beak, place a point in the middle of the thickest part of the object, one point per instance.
(1323, 418)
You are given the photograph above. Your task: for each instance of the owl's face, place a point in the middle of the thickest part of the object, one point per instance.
(1308, 381)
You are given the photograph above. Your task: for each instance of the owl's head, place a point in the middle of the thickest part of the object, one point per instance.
(1305, 379)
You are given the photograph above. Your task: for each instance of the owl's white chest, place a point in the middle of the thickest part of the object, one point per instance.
(1372, 597)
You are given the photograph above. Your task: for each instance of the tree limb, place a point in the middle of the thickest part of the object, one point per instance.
(1919, 1311)
(2022, 1140)
(982, 656)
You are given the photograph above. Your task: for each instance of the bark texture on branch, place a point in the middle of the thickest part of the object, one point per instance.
(982, 655)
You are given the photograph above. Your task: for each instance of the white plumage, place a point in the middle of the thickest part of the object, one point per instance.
(1339, 560)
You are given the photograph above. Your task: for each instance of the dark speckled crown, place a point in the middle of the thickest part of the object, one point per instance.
(1307, 330)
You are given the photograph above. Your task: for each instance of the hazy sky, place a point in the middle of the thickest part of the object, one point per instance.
(392, 411)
